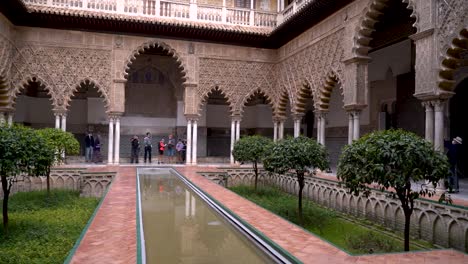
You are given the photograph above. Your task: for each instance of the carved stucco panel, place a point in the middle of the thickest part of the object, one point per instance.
(60, 70)
(237, 80)
(452, 16)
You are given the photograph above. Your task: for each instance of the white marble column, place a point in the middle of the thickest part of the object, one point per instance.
(322, 128)
(57, 120)
(297, 126)
(117, 141)
(194, 142)
(429, 121)
(188, 158)
(319, 124)
(356, 125)
(350, 127)
(187, 204)
(10, 119)
(281, 129)
(64, 122)
(110, 148)
(275, 130)
(2, 118)
(233, 138)
(237, 130)
(439, 125)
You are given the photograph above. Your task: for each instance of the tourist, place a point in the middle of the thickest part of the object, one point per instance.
(179, 148)
(184, 150)
(148, 146)
(170, 147)
(97, 158)
(161, 148)
(135, 149)
(89, 146)
(452, 154)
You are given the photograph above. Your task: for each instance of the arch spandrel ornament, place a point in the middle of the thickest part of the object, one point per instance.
(59, 69)
(235, 78)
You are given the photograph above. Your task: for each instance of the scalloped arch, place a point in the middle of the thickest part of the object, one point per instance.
(452, 60)
(279, 109)
(25, 81)
(157, 44)
(331, 82)
(204, 97)
(370, 17)
(303, 96)
(96, 84)
(251, 95)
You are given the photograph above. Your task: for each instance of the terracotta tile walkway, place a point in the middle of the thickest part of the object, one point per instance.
(111, 237)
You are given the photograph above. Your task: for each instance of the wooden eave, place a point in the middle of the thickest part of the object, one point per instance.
(308, 16)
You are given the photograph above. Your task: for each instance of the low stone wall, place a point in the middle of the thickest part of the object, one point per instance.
(90, 184)
(95, 184)
(443, 225)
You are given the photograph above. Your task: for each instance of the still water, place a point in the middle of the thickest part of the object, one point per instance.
(179, 227)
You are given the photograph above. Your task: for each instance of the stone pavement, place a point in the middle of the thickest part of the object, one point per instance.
(111, 238)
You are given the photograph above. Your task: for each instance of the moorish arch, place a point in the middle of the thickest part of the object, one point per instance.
(256, 109)
(455, 59)
(87, 112)
(215, 112)
(370, 17)
(34, 104)
(165, 48)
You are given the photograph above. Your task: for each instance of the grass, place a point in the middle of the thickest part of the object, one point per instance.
(44, 229)
(353, 236)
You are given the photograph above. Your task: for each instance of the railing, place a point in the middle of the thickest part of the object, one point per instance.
(182, 9)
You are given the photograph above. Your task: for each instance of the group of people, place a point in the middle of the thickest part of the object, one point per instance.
(167, 150)
(93, 148)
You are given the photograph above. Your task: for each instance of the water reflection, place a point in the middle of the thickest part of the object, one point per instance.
(180, 228)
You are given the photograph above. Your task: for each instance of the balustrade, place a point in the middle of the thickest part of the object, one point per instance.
(180, 9)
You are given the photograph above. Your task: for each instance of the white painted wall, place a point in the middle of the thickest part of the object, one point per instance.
(396, 57)
(34, 110)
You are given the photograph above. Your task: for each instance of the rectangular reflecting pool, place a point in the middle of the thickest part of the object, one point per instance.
(180, 225)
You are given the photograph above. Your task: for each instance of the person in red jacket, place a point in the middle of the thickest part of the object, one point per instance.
(161, 148)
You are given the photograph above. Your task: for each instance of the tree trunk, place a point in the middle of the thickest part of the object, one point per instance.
(408, 213)
(6, 193)
(300, 179)
(48, 183)
(256, 174)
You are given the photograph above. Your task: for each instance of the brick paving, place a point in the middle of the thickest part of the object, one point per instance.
(111, 237)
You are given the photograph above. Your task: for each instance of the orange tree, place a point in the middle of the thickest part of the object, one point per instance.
(297, 155)
(22, 151)
(61, 142)
(251, 149)
(392, 159)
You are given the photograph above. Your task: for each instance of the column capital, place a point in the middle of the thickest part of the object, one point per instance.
(297, 116)
(59, 111)
(192, 117)
(354, 107)
(236, 118)
(114, 115)
(321, 113)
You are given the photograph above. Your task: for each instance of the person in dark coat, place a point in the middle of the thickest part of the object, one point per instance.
(89, 147)
(452, 154)
(97, 149)
(135, 149)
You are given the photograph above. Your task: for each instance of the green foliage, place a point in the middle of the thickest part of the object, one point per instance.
(60, 141)
(390, 158)
(21, 151)
(371, 242)
(252, 149)
(44, 228)
(325, 223)
(297, 155)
